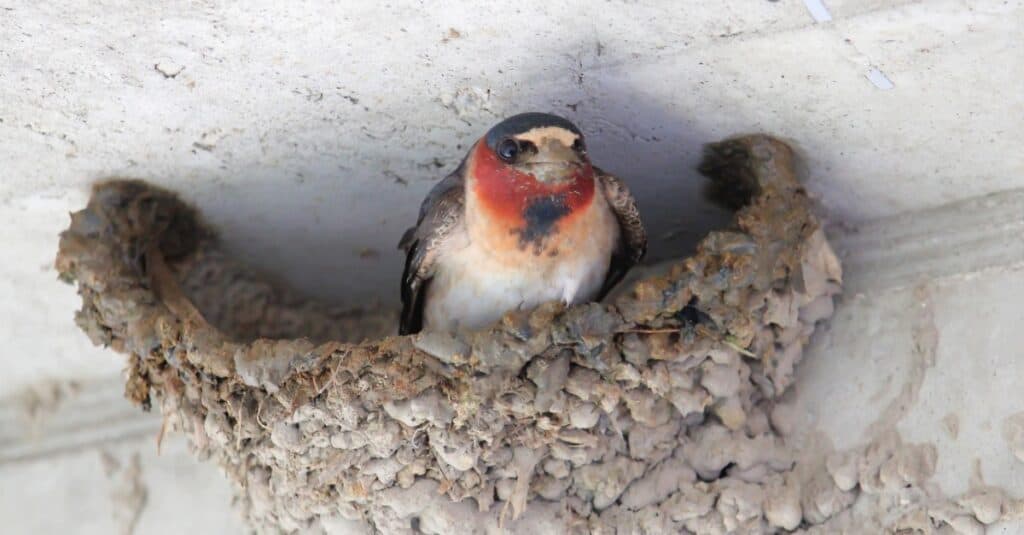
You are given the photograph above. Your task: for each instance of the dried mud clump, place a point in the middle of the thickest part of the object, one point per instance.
(655, 413)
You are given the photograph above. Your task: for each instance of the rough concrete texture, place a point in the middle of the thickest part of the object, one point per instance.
(79, 445)
(662, 413)
(119, 488)
(338, 103)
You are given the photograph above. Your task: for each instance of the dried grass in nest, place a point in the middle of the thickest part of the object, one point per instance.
(645, 414)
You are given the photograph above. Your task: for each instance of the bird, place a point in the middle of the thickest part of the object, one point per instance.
(525, 219)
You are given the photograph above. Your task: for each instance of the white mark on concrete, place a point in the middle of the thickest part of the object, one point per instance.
(818, 10)
(467, 101)
(880, 80)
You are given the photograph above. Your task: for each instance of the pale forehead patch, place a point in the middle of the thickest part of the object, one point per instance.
(539, 134)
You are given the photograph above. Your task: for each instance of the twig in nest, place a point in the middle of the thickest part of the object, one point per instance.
(238, 424)
(160, 434)
(330, 381)
(259, 410)
(730, 341)
(503, 513)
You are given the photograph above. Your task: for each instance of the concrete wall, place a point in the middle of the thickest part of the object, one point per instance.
(926, 342)
(309, 132)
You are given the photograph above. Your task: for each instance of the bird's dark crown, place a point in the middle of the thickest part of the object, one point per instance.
(524, 122)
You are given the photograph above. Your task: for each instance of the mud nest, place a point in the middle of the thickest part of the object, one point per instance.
(654, 413)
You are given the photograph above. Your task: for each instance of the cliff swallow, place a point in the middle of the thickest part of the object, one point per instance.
(525, 219)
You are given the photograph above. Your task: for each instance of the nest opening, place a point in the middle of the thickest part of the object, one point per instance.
(654, 412)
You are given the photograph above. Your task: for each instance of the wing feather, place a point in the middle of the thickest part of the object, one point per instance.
(633, 237)
(440, 213)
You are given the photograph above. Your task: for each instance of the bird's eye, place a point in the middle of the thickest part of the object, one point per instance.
(508, 150)
(578, 146)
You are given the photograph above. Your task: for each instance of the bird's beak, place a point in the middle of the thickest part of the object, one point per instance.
(555, 163)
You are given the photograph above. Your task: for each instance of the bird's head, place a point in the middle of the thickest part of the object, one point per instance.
(530, 171)
(534, 146)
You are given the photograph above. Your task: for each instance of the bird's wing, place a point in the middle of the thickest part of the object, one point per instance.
(633, 237)
(440, 213)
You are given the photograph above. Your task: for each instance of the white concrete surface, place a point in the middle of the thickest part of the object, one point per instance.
(95, 491)
(936, 356)
(308, 133)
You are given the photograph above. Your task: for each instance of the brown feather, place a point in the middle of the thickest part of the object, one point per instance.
(440, 213)
(633, 241)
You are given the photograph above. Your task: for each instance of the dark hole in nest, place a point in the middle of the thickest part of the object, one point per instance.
(691, 316)
(556, 419)
(721, 474)
(725, 470)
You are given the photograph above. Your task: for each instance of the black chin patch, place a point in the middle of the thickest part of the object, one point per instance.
(541, 216)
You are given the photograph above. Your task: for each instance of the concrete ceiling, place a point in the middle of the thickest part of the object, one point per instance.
(309, 133)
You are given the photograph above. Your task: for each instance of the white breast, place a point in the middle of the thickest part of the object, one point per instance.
(472, 289)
